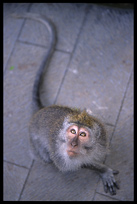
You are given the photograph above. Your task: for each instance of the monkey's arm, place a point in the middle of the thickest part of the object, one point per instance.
(107, 176)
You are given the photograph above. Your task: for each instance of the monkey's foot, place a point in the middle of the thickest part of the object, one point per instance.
(109, 181)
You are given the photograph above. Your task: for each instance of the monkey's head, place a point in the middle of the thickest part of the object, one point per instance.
(84, 138)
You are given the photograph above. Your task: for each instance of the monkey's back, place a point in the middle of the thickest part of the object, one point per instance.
(48, 116)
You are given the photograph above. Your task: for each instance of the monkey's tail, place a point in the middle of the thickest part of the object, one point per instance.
(36, 102)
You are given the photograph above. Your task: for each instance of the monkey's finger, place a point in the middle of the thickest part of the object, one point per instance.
(112, 190)
(117, 186)
(111, 185)
(115, 172)
(105, 187)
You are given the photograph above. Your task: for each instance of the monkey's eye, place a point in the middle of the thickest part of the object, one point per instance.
(83, 134)
(73, 131)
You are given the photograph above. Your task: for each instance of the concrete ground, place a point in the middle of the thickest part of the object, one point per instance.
(92, 67)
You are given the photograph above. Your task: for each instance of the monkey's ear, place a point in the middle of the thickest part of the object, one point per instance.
(100, 132)
(97, 131)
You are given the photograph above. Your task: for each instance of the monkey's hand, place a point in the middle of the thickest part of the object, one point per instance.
(109, 181)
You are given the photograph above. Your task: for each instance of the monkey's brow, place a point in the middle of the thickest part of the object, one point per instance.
(79, 124)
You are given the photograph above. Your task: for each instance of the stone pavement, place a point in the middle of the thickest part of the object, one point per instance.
(92, 67)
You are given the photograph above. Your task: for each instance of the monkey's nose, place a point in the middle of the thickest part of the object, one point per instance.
(73, 144)
(74, 141)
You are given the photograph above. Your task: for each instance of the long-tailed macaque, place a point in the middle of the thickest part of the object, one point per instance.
(68, 137)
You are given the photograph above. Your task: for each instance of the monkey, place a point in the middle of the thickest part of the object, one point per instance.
(69, 137)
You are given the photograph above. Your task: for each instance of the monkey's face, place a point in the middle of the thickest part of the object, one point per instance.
(78, 138)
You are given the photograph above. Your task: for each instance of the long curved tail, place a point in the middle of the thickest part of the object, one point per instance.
(36, 102)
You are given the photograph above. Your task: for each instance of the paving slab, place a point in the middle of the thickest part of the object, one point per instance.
(63, 14)
(101, 64)
(46, 183)
(100, 197)
(11, 30)
(14, 178)
(121, 157)
(17, 100)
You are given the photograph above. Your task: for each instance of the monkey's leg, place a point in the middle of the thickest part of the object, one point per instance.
(107, 176)
(38, 151)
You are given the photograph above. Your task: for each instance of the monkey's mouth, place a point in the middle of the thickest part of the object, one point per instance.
(71, 153)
